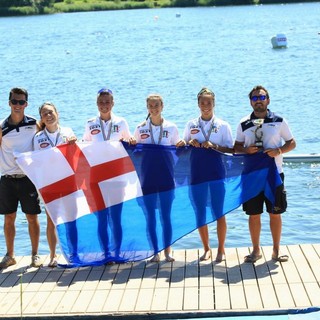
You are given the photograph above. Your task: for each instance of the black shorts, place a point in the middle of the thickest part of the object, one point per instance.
(15, 190)
(255, 205)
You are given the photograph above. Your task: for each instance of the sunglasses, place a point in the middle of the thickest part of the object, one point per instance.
(15, 102)
(256, 98)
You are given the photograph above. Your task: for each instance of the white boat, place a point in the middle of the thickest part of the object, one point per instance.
(303, 157)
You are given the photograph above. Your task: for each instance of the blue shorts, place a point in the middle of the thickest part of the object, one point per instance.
(15, 190)
(255, 205)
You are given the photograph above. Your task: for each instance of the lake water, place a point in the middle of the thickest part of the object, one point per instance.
(67, 58)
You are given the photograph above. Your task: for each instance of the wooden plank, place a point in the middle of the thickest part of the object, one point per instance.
(98, 300)
(268, 296)
(67, 302)
(175, 299)
(313, 259)
(144, 300)
(191, 301)
(128, 301)
(222, 298)
(299, 295)
(52, 302)
(7, 300)
(82, 302)
(206, 298)
(160, 299)
(184, 286)
(113, 300)
(302, 264)
(36, 303)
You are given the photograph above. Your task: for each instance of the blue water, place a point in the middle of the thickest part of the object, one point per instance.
(67, 58)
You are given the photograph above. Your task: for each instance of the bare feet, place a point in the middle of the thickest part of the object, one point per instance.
(220, 257)
(155, 258)
(206, 256)
(169, 258)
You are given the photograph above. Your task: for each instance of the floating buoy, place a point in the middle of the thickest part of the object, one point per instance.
(279, 41)
(178, 15)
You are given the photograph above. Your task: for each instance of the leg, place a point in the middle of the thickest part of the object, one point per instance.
(255, 229)
(276, 228)
(150, 213)
(221, 235)
(10, 232)
(166, 200)
(52, 241)
(34, 232)
(199, 199)
(116, 227)
(204, 235)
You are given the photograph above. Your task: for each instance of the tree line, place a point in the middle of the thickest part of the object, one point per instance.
(29, 7)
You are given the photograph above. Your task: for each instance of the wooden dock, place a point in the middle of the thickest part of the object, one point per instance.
(182, 289)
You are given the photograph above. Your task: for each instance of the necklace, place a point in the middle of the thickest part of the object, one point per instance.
(57, 136)
(206, 136)
(102, 124)
(151, 132)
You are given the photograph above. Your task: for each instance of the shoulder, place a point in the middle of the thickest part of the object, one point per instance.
(118, 119)
(30, 120)
(222, 122)
(39, 134)
(168, 124)
(92, 120)
(142, 124)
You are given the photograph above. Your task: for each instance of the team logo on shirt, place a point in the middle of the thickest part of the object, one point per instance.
(44, 145)
(115, 128)
(165, 134)
(194, 131)
(95, 131)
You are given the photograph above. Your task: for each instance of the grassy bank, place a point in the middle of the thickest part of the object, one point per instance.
(33, 7)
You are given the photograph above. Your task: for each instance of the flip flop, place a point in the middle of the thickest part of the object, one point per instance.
(281, 258)
(252, 258)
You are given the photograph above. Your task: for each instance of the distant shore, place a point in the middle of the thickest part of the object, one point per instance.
(12, 8)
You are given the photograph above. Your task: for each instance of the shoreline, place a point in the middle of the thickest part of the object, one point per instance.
(67, 6)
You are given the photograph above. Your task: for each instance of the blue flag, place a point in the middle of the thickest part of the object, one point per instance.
(115, 202)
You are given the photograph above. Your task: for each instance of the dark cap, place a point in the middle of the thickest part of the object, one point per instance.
(105, 91)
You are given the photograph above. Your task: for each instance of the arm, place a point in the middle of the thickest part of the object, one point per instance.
(288, 146)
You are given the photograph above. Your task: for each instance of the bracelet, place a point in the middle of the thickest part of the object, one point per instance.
(280, 151)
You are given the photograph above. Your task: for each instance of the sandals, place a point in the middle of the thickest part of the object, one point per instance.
(280, 258)
(53, 263)
(252, 258)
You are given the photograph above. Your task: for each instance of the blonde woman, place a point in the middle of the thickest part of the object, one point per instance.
(157, 130)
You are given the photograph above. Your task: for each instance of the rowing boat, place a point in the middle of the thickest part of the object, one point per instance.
(305, 157)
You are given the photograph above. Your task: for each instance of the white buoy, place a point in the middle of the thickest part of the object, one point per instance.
(279, 41)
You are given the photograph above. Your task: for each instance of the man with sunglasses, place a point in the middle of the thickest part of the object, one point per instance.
(18, 131)
(265, 131)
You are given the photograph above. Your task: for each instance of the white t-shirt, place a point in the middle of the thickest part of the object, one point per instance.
(115, 129)
(274, 130)
(166, 134)
(215, 130)
(45, 140)
(15, 139)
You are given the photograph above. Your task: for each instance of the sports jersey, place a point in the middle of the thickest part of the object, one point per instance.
(114, 129)
(274, 130)
(215, 130)
(166, 134)
(45, 140)
(15, 138)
